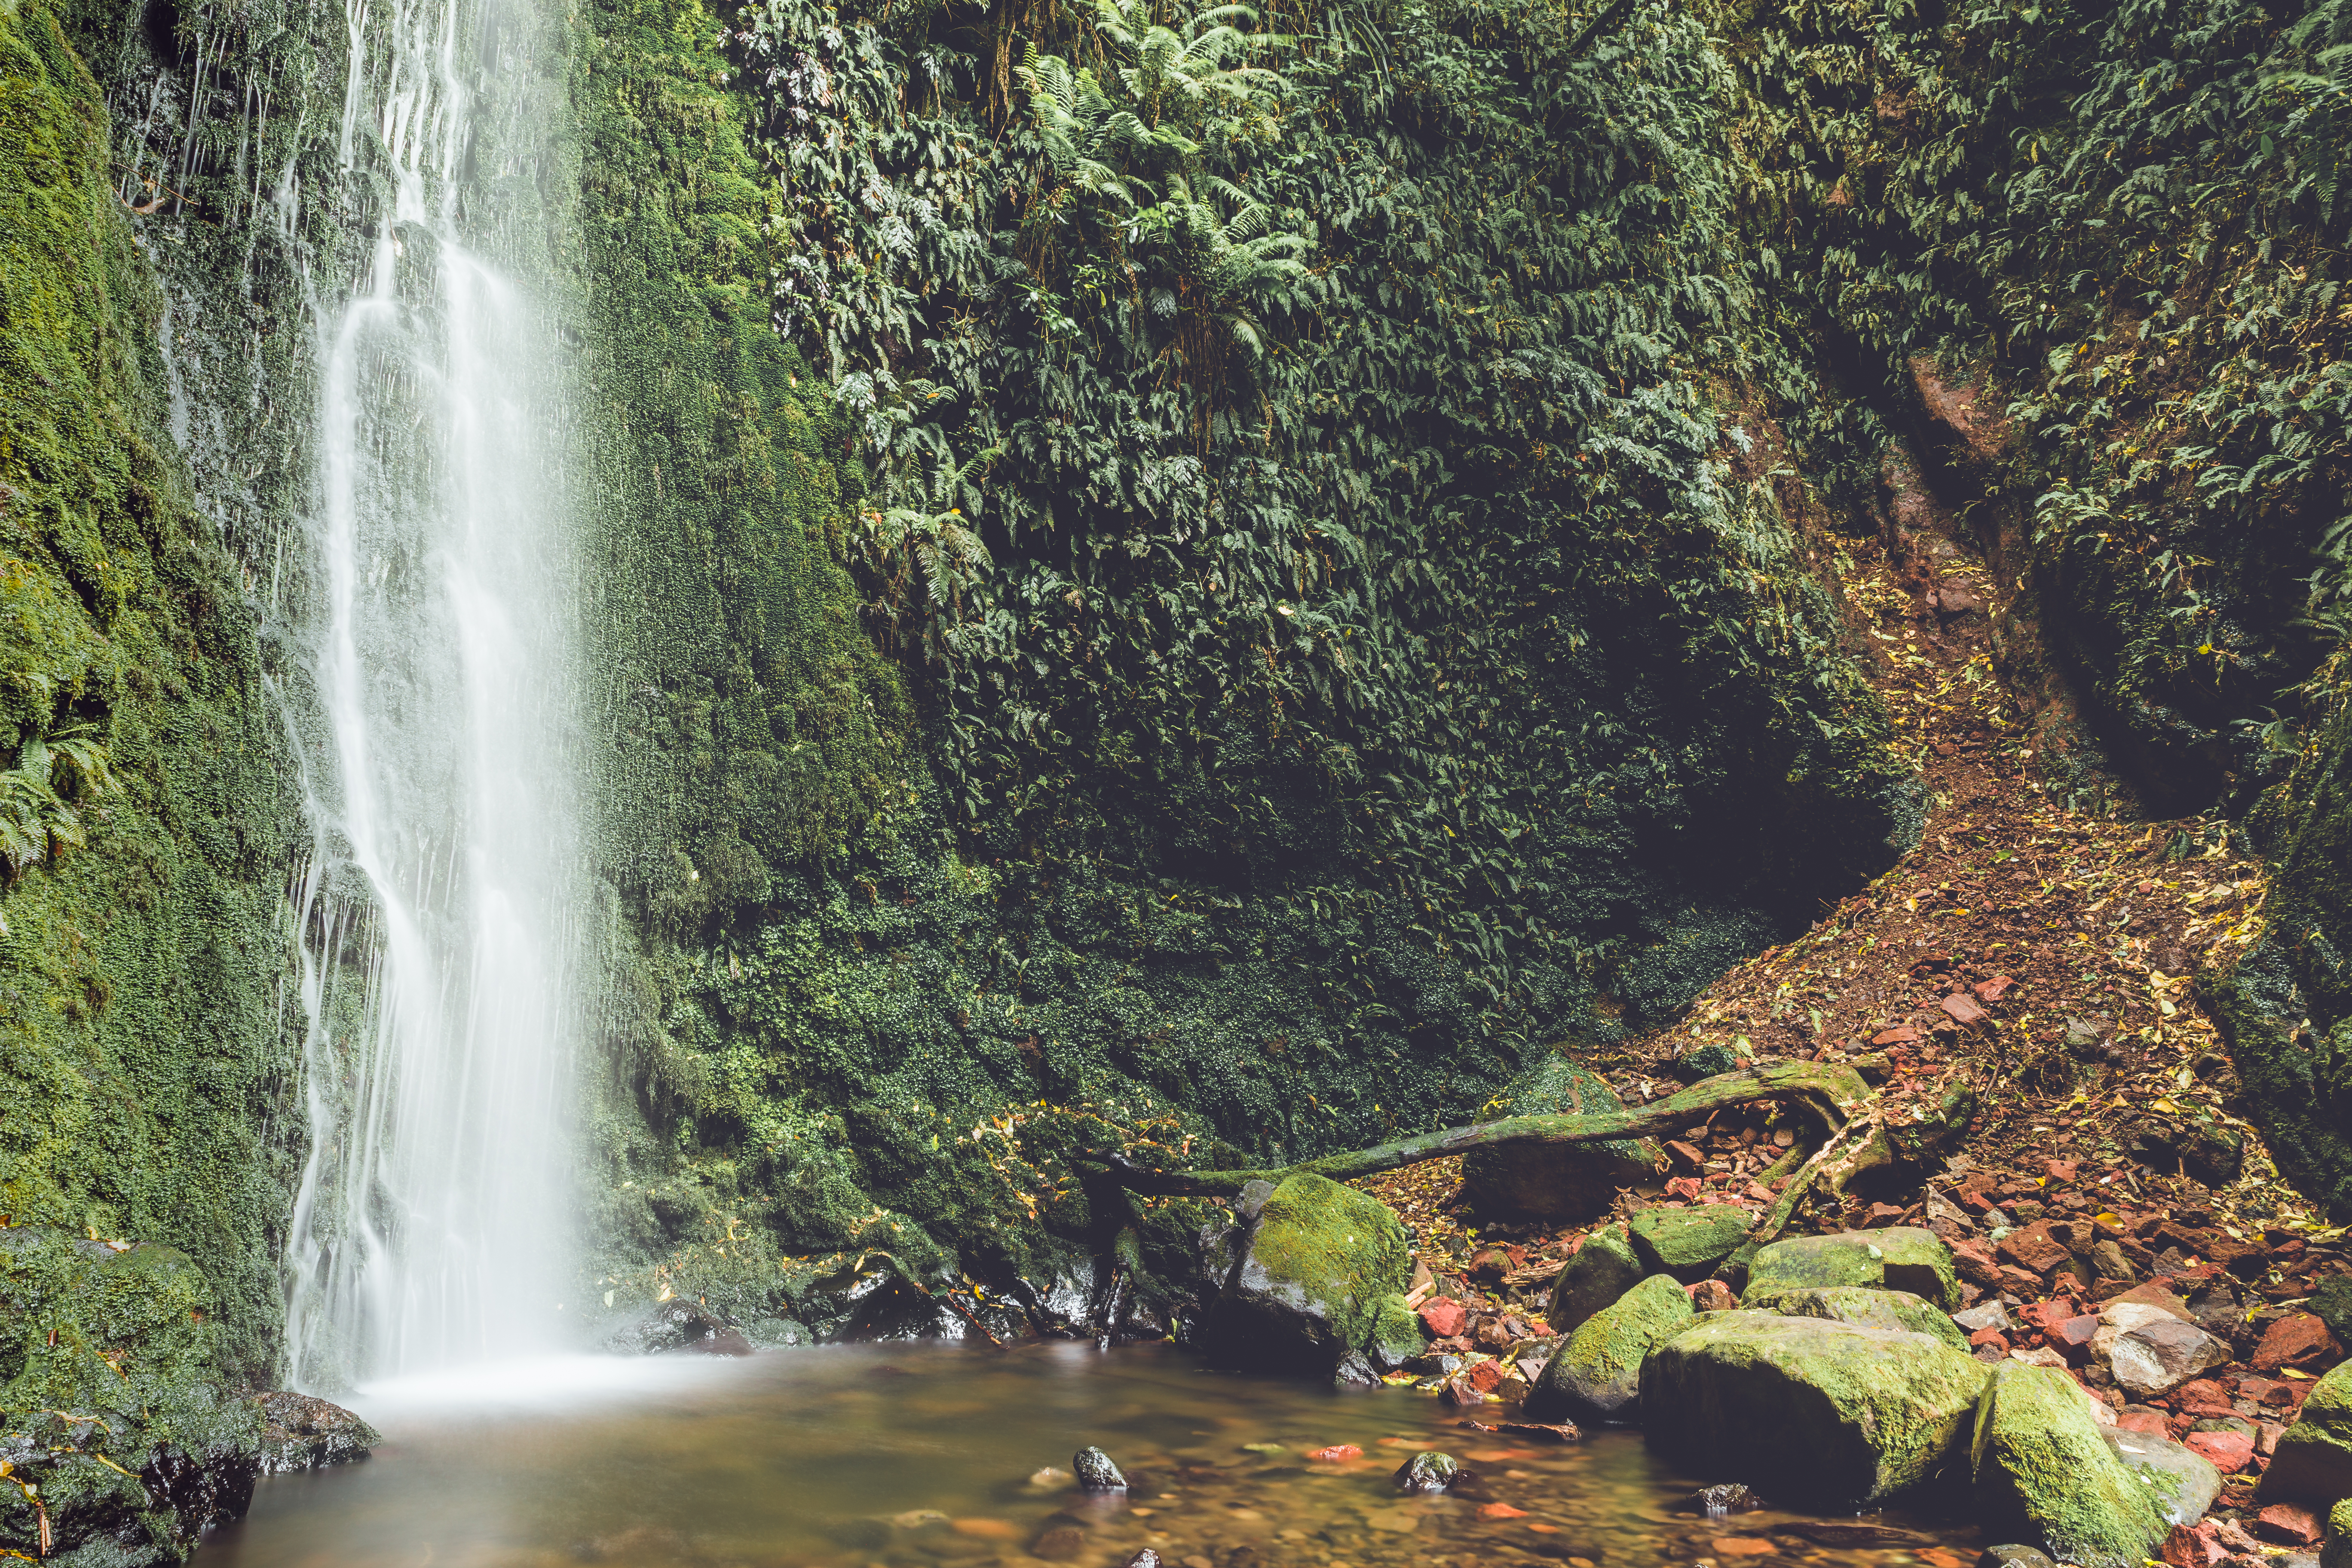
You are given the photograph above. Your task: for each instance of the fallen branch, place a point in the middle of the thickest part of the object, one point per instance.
(1837, 1094)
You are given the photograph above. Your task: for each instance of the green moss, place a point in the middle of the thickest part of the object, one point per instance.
(1596, 1375)
(1688, 1243)
(142, 1058)
(1897, 1257)
(1603, 1269)
(1897, 1311)
(1811, 1413)
(2043, 1474)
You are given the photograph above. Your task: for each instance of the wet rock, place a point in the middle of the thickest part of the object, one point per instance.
(1812, 1412)
(1897, 1257)
(1899, 1310)
(1597, 1375)
(1095, 1471)
(2041, 1469)
(1724, 1499)
(1603, 1269)
(2014, 1556)
(1559, 1183)
(1688, 1243)
(1428, 1471)
(677, 1326)
(1147, 1558)
(1312, 1282)
(2182, 1483)
(300, 1433)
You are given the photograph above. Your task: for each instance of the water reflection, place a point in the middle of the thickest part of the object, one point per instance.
(913, 1457)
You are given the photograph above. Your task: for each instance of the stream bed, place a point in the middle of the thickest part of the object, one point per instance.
(911, 1456)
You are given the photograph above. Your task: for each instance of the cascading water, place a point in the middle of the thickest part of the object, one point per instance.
(437, 950)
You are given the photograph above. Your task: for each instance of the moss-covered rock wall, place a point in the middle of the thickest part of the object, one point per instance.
(142, 1061)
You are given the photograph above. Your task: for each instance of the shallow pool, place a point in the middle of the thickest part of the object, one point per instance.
(910, 1456)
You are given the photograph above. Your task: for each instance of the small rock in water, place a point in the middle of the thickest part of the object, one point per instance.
(1053, 1478)
(1147, 1558)
(2014, 1557)
(1428, 1472)
(1729, 1498)
(302, 1433)
(1095, 1472)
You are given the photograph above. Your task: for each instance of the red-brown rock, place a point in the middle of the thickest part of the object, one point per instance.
(1443, 1316)
(1685, 1155)
(2032, 1248)
(1963, 1010)
(2203, 1397)
(2047, 1315)
(2298, 1341)
(1991, 990)
(2289, 1524)
(2229, 1451)
(2149, 1423)
(1712, 1296)
(1974, 1260)
(1487, 1376)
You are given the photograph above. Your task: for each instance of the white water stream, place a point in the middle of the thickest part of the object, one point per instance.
(438, 950)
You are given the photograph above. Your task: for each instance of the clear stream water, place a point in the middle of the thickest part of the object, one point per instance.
(911, 1456)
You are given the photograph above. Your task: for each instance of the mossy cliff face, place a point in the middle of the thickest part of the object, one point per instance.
(140, 1053)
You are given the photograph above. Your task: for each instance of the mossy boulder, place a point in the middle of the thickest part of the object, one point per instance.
(1688, 1243)
(1603, 1269)
(1597, 1375)
(1899, 1258)
(1312, 1283)
(2313, 1461)
(1569, 1182)
(1811, 1413)
(2041, 1472)
(1899, 1310)
(2335, 1547)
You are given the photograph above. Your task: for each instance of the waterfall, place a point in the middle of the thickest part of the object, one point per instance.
(437, 952)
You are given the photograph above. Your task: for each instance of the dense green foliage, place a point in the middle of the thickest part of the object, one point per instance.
(140, 1056)
(1316, 501)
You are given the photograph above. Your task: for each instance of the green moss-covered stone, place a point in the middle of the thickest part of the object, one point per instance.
(1556, 1182)
(1899, 1310)
(1315, 1276)
(1597, 1375)
(2335, 1547)
(1688, 1243)
(1811, 1413)
(1603, 1269)
(2313, 1461)
(1397, 1335)
(2040, 1471)
(1900, 1258)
